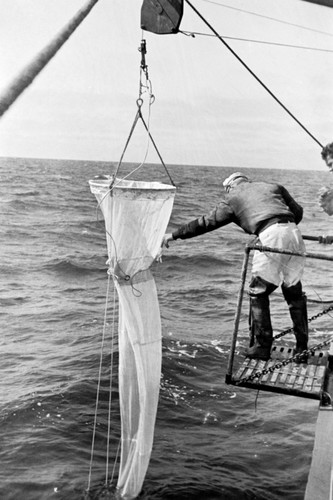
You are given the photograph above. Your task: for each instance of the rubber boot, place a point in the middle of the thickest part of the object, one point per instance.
(261, 328)
(296, 300)
(260, 320)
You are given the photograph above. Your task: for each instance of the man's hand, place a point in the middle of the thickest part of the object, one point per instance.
(326, 200)
(166, 238)
(326, 240)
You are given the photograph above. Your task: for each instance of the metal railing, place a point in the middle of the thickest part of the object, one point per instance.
(261, 248)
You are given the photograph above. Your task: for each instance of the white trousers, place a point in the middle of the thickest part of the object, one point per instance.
(280, 268)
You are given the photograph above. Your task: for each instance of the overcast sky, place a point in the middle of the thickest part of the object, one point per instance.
(208, 109)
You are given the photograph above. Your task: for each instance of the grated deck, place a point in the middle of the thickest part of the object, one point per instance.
(299, 379)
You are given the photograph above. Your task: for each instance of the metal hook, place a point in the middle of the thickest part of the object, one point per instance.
(143, 51)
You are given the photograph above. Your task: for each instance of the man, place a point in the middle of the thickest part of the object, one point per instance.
(268, 211)
(325, 193)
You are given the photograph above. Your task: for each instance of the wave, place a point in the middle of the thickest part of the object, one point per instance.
(212, 440)
(69, 267)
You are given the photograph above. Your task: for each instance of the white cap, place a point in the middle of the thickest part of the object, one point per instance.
(229, 180)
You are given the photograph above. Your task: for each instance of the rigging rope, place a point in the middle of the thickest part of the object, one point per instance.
(264, 42)
(148, 88)
(29, 73)
(268, 17)
(253, 74)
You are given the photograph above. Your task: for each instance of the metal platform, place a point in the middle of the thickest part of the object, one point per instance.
(295, 379)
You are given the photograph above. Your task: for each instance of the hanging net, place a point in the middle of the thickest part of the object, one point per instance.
(136, 216)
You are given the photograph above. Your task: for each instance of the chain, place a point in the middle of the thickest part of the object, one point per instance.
(296, 357)
(285, 362)
(290, 330)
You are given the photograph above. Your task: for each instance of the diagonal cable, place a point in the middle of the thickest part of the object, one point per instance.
(253, 74)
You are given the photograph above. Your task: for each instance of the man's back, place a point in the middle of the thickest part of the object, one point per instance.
(253, 203)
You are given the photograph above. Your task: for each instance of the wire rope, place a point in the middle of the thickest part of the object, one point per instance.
(251, 40)
(253, 74)
(269, 17)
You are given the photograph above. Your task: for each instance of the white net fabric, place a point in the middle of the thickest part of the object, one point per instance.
(136, 216)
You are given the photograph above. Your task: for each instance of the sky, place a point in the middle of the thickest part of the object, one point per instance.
(208, 109)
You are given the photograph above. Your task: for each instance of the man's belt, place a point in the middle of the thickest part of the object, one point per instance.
(274, 220)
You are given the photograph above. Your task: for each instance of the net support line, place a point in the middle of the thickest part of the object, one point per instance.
(29, 73)
(92, 451)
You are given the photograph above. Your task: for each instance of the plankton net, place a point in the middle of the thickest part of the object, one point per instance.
(136, 216)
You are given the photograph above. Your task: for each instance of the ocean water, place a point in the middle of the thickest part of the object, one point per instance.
(212, 441)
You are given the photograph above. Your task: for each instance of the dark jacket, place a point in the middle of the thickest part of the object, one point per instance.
(251, 205)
